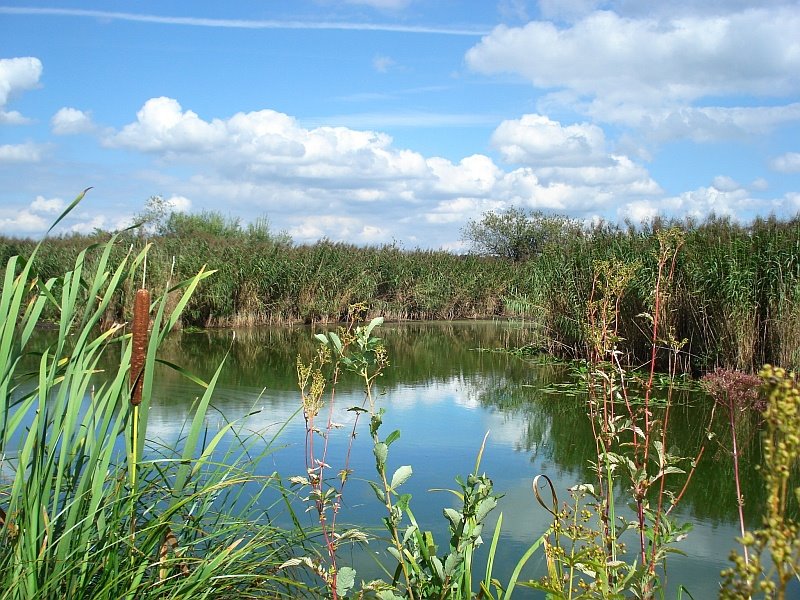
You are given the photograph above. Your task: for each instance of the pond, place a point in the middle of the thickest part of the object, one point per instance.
(444, 390)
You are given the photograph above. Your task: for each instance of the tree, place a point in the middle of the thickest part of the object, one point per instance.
(515, 233)
(151, 219)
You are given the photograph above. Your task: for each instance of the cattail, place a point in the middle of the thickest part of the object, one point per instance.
(141, 321)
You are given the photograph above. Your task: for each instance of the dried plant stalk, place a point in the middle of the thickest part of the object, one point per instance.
(141, 321)
(170, 543)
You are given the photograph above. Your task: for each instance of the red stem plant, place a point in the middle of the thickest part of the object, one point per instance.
(737, 393)
(349, 349)
(634, 441)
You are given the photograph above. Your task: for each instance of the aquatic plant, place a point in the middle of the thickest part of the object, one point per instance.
(87, 508)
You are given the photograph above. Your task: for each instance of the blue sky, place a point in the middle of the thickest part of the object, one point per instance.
(379, 121)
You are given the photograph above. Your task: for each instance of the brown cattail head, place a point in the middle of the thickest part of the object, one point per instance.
(141, 321)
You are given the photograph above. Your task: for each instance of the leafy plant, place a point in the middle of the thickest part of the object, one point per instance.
(771, 558)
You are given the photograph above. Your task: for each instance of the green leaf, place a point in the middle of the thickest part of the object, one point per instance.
(451, 563)
(403, 502)
(373, 324)
(336, 342)
(400, 476)
(345, 579)
(484, 508)
(381, 451)
(375, 422)
(396, 553)
(438, 568)
(453, 516)
(393, 437)
(378, 491)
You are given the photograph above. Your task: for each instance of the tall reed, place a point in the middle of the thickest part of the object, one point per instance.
(68, 504)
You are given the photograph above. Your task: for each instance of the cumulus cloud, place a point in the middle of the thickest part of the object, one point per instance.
(311, 229)
(621, 68)
(17, 75)
(69, 121)
(22, 222)
(537, 140)
(725, 184)
(47, 205)
(179, 203)
(734, 202)
(34, 218)
(568, 157)
(786, 163)
(22, 153)
(265, 160)
(90, 225)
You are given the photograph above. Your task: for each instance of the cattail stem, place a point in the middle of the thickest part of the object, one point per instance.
(141, 322)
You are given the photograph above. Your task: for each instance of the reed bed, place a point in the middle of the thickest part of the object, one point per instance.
(736, 294)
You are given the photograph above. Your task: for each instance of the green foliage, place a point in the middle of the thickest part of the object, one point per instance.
(516, 234)
(419, 572)
(586, 548)
(82, 513)
(736, 296)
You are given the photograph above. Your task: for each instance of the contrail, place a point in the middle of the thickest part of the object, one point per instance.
(239, 23)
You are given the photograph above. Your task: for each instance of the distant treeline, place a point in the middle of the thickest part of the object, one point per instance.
(734, 294)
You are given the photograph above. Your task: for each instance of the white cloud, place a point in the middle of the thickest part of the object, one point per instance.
(787, 163)
(161, 125)
(68, 121)
(179, 203)
(27, 152)
(725, 184)
(47, 205)
(16, 76)
(93, 223)
(311, 229)
(382, 64)
(34, 218)
(513, 9)
(266, 161)
(621, 171)
(706, 124)
(537, 140)
(736, 203)
(474, 175)
(621, 65)
(306, 24)
(23, 222)
(459, 210)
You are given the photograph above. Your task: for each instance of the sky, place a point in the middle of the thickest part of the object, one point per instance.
(397, 121)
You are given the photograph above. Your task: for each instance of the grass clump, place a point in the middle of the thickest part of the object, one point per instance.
(87, 509)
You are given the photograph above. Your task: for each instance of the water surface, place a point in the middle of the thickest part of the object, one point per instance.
(444, 392)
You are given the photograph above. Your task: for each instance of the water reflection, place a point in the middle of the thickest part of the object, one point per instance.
(444, 394)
